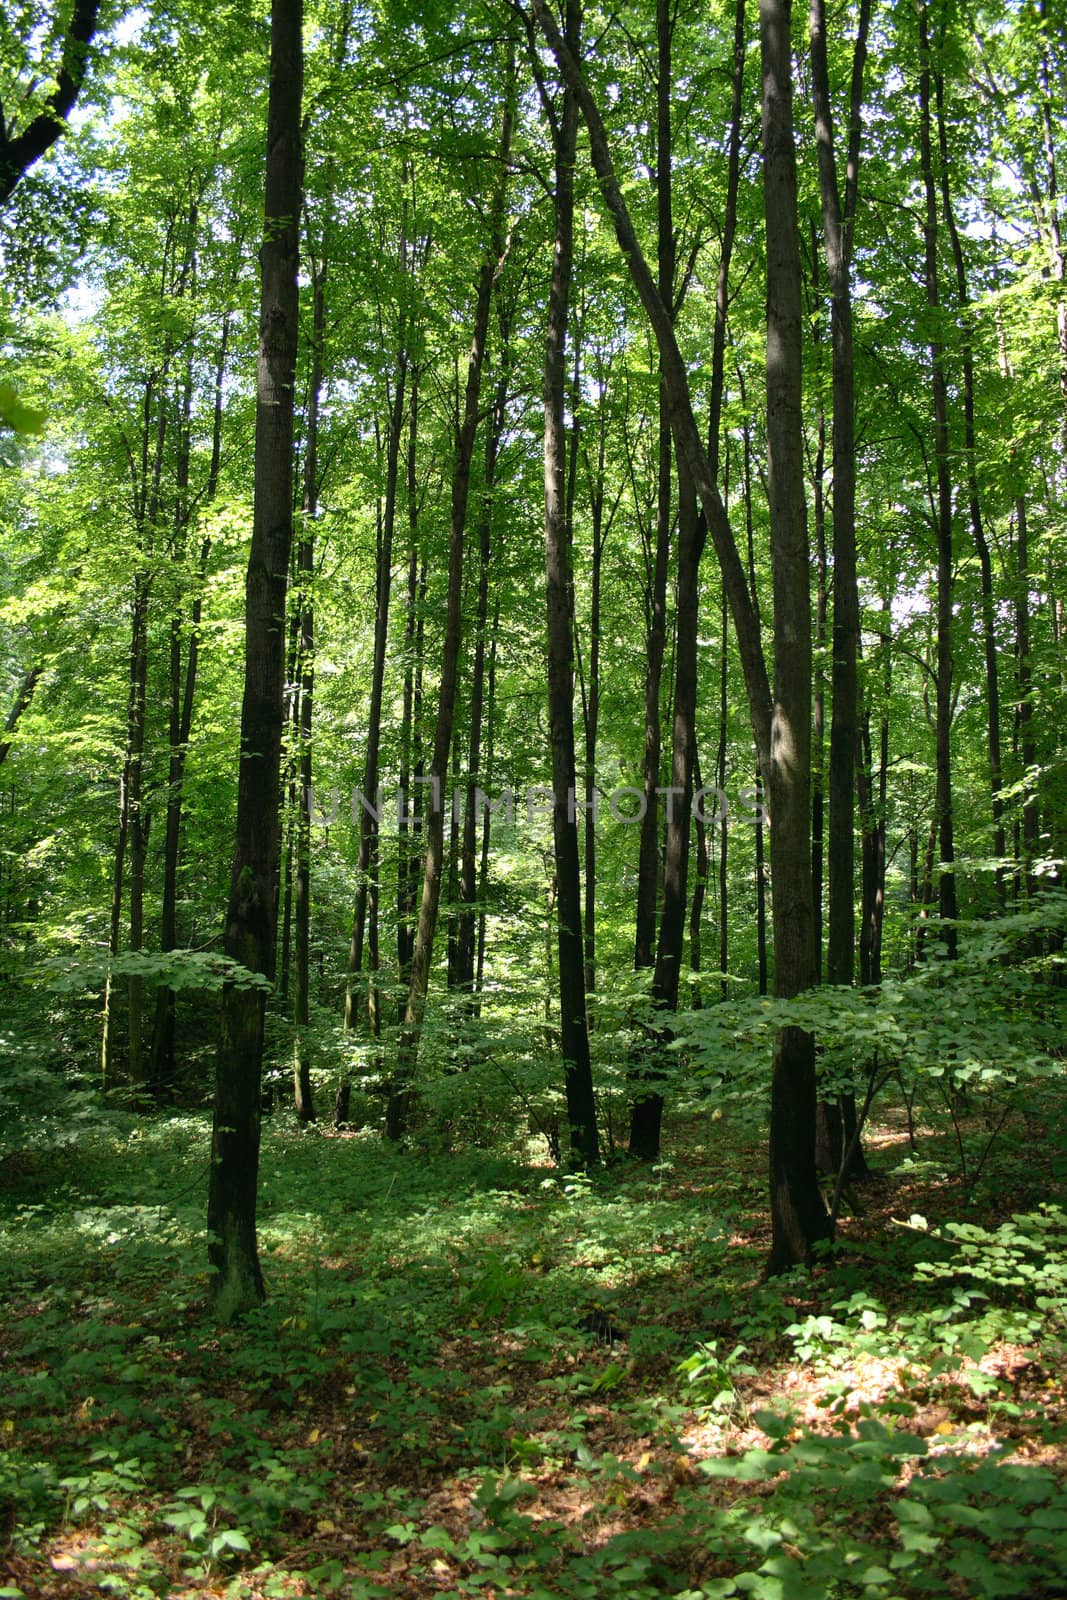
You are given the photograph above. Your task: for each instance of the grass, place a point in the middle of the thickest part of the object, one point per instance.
(478, 1376)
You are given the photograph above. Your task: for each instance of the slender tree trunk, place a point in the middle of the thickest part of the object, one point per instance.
(303, 1098)
(762, 965)
(250, 919)
(873, 818)
(23, 697)
(724, 819)
(647, 1113)
(411, 768)
(974, 503)
(1031, 826)
(559, 590)
(400, 1097)
(129, 806)
(466, 920)
(592, 721)
(483, 857)
(838, 216)
(818, 753)
(368, 822)
(182, 698)
(939, 386)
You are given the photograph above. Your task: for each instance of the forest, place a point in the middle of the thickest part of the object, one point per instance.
(533, 578)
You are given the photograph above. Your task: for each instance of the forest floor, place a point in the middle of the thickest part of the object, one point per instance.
(479, 1376)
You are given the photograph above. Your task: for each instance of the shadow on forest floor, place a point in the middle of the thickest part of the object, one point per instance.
(479, 1377)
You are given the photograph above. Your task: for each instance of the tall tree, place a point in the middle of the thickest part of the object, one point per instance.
(250, 918)
(942, 510)
(838, 220)
(782, 727)
(559, 590)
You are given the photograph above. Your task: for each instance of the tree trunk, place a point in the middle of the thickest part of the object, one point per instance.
(250, 919)
(1024, 714)
(181, 703)
(483, 856)
(559, 590)
(798, 1216)
(466, 922)
(974, 503)
(23, 697)
(647, 1113)
(838, 217)
(303, 1098)
(400, 1096)
(943, 518)
(796, 1200)
(410, 788)
(182, 697)
(368, 823)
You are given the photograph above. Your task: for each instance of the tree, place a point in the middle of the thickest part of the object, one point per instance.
(250, 918)
(782, 728)
(559, 591)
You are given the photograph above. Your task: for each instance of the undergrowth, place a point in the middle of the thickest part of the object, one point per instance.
(479, 1376)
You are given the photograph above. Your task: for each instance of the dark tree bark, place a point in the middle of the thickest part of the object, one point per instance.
(23, 696)
(18, 152)
(591, 696)
(410, 789)
(762, 965)
(838, 217)
(943, 512)
(724, 819)
(483, 853)
(1024, 710)
(818, 726)
(559, 589)
(648, 861)
(798, 1216)
(250, 918)
(146, 468)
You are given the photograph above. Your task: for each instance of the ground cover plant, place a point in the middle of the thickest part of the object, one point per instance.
(477, 1374)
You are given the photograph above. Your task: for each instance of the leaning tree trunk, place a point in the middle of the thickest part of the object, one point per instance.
(646, 1117)
(250, 918)
(800, 1215)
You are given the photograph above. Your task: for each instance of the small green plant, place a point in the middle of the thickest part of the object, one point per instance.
(195, 1515)
(712, 1377)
